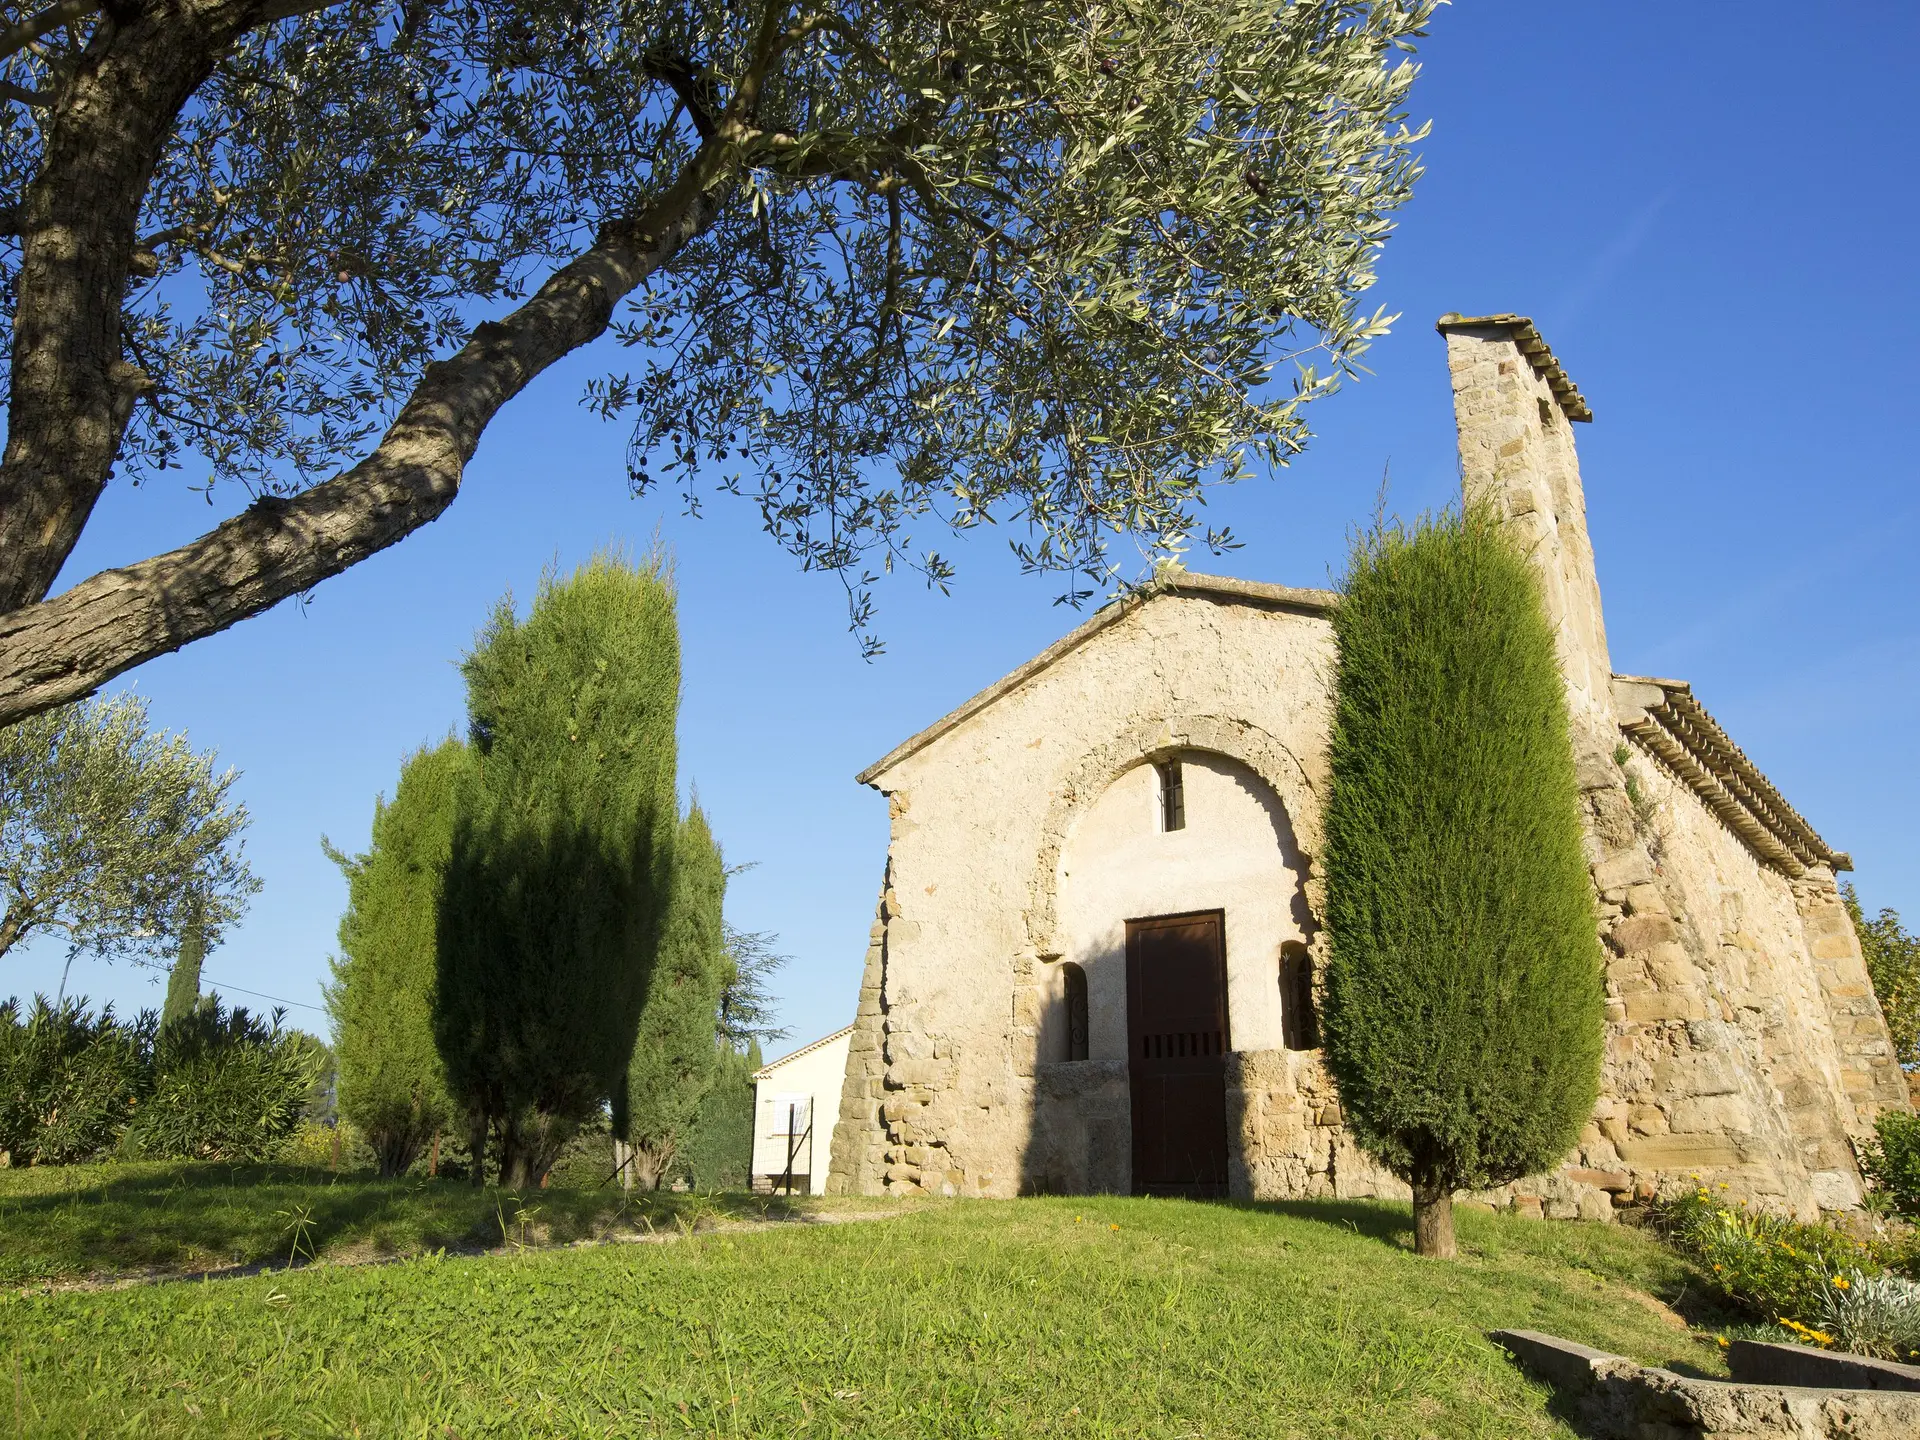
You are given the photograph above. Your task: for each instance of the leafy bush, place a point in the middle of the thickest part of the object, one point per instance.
(1873, 1315)
(214, 1084)
(1784, 1272)
(1892, 1160)
(311, 1147)
(68, 1081)
(226, 1086)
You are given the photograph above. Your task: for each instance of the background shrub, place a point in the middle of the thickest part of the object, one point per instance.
(1892, 1160)
(393, 1086)
(561, 854)
(69, 1081)
(718, 1154)
(676, 1051)
(226, 1086)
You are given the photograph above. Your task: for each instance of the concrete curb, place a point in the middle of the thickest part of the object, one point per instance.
(1613, 1398)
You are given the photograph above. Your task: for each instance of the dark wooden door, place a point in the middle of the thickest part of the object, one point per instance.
(1177, 1053)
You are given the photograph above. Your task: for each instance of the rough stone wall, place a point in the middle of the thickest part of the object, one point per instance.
(1286, 1139)
(1747, 1041)
(1717, 1032)
(858, 1163)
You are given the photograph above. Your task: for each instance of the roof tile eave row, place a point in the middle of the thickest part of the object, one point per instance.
(1680, 733)
(1531, 344)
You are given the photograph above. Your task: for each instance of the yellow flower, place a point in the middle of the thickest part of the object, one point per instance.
(1113, 1227)
(1839, 1282)
(1723, 1341)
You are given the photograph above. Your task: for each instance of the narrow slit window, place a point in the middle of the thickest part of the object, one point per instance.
(1299, 1029)
(1074, 984)
(1173, 796)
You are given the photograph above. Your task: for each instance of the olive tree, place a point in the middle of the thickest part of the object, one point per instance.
(121, 838)
(878, 265)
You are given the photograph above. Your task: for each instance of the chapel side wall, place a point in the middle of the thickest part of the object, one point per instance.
(1724, 1060)
(970, 1105)
(1870, 1073)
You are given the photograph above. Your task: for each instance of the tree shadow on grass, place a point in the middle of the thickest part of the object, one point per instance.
(1380, 1220)
(192, 1217)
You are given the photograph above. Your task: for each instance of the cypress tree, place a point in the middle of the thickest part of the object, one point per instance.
(676, 1055)
(392, 1085)
(183, 980)
(1464, 1000)
(561, 856)
(718, 1155)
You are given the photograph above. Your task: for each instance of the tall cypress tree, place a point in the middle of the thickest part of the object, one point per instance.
(391, 1082)
(1464, 1001)
(676, 1056)
(561, 855)
(183, 980)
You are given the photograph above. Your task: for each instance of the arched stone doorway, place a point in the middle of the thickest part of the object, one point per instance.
(1182, 833)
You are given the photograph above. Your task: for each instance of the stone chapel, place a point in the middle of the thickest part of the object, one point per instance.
(1094, 962)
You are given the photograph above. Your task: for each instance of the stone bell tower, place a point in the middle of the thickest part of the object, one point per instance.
(1515, 410)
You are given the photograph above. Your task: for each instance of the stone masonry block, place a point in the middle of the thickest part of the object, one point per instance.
(1834, 947)
(1622, 871)
(1642, 932)
(1646, 1009)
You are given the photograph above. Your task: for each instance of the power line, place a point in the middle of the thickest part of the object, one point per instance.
(304, 1005)
(222, 985)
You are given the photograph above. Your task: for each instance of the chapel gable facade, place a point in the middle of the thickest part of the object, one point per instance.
(1094, 959)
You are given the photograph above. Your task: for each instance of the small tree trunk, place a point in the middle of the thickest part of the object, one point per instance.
(477, 1151)
(1433, 1219)
(433, 1157)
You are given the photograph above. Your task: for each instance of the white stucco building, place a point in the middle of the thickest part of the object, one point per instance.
(796, 1102)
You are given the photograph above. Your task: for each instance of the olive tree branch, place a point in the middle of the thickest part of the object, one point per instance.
(67, 646)
(18, 37)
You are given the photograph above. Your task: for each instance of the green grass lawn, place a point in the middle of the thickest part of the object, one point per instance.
(99, 1221)
(1158, 1319)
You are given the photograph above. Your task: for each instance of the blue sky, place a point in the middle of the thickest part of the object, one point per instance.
(1712, 223)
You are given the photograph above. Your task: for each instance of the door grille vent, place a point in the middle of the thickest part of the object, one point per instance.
(1180, 1044)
